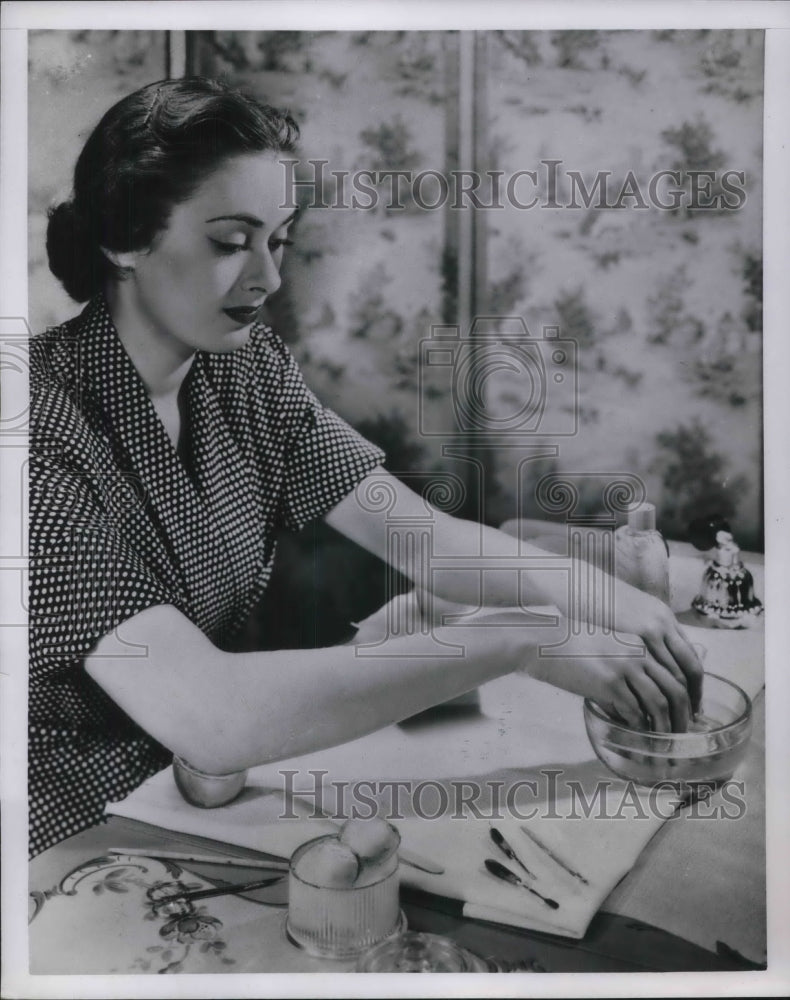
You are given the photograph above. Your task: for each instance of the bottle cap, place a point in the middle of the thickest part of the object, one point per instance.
(727, 552)
(643, 517)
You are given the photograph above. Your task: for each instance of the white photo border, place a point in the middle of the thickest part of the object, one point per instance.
(17, 18)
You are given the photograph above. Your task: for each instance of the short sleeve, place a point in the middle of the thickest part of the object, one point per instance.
(85, 579)
(322, 457)
(326, 462)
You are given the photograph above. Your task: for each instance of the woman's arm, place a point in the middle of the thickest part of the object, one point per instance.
(515, 574)
(226, 711)
(625, 681)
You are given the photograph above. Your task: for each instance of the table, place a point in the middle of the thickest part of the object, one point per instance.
(633, 931)
(650, 922)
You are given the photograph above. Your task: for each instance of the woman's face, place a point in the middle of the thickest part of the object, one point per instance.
(202, 282)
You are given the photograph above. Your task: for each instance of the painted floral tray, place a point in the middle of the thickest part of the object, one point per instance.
(121, 914)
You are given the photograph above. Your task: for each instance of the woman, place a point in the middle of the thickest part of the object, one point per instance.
(172, 435)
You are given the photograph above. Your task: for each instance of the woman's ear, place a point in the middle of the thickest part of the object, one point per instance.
(124, 260)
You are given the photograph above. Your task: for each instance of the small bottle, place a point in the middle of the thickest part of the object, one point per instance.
(641, 554)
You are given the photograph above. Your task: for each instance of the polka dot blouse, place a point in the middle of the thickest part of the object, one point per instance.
(120, 521)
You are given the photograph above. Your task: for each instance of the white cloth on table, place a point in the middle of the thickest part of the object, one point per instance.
(602, 850)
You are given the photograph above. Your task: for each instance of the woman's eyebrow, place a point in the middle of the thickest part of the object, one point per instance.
(251, 220)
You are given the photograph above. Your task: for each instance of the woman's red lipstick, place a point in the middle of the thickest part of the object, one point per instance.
(243, 314)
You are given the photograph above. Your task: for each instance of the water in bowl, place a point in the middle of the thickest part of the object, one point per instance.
(708, 753)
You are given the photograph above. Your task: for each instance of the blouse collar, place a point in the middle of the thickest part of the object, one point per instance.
(191, 510)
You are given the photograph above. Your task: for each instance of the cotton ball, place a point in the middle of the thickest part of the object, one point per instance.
(328, 864)
(372, 840)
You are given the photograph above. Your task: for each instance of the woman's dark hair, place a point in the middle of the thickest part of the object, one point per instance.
(149, 152)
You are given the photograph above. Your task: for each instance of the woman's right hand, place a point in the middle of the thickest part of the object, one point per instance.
(636, 688)
(640, 614)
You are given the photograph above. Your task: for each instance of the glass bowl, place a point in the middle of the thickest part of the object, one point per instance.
(208, 791)
(707, 754)
(414, 951)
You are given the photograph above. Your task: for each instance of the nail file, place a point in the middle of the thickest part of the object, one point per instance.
(203, 859)
(552, 855)
(406, 856)
(223, 890)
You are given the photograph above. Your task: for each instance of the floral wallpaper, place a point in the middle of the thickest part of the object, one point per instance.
(665, 305)
(662, 303)
(73, 78)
